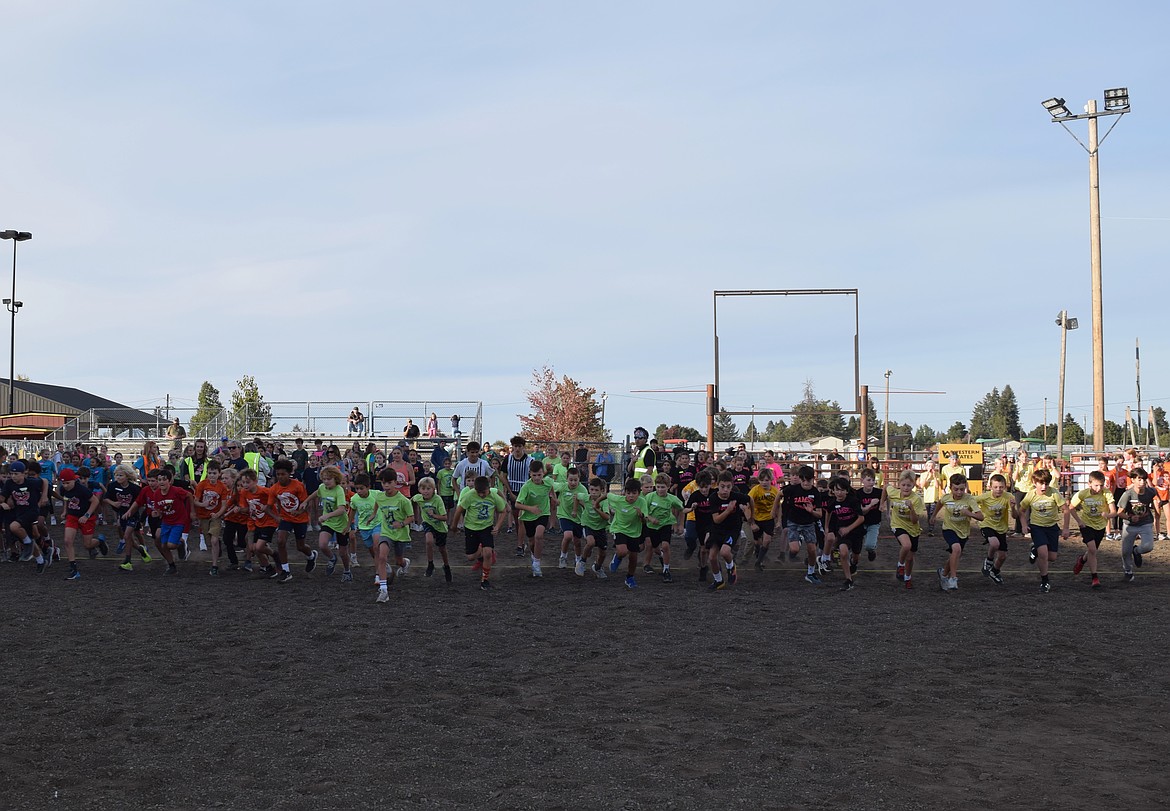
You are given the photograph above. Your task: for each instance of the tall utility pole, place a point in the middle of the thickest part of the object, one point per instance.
(1063, 321)
(1116, 103)
(886, 422)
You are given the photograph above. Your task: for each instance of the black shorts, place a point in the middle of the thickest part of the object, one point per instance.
(473, 539)
(531, 525)
(448, 502)
(1090, 535)
(154, 523)
(765, 527)
(899, 534)
(26, 522)
(721, 537)
(47, 510)
(599, 536)
(628, 541)
(440, 537)
(127, 523)
(989, 533)
(297, 529)
(659, 536)
(854, 541)
(263, 534)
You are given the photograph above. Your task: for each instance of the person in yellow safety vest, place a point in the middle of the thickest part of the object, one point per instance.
(643, 460)
(196, 466)
(258, 463)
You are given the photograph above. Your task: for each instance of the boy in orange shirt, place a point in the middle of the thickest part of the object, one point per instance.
(211, 501)
(288, 499)
(256, 503)
(1160, 477)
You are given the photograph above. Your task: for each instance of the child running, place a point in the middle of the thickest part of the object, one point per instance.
(535, 503)
(763, 497)
(1040, 511)
(1092, 508)
(172, 507)
(663, 509)
(846, 529)
(397, 512)
(431, 511)
(81, 506)
(120, 496)
(211, 502)
(731, 508)
(999, 510)
(288, 498)
(1136, 510)
(628, 511)
(335, 520)
(482, 511)
(595, 518)
(957, 508)
(906, 510)
(570, 494)
(870, 499)
(802, 508)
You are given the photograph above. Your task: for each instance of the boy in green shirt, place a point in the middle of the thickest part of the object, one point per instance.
(444, 478)
(662, 511)
(629, 510)
(482, 510)
(397, 512)
(569, 495)
(535, 502)
(594, 520)
(335, 519)
(431, 512)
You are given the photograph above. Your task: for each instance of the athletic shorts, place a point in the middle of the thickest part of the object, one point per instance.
(448, 502)
(170, 534)
(571, 527)
(721, 537)
(855, 541)
(899, 534)
(1090, 535)
(339, 535)
(399, 548)
(368, 537)
(1046, 536)
(989, 533)
(154, 524)
(473, 539)
(765, 527)
(128, 523)
(263, 534)
(439, 535)
(531, 525)
(26, 522)
(212, 527)
(298, 528)
(86, 527)
(659, 536)
(950, 538)
(634, 545)
(802, 533)
(599, 536)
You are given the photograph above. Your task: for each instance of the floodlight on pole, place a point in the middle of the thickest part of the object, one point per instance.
(1065, 323)
(1116, 103)
(13, 306)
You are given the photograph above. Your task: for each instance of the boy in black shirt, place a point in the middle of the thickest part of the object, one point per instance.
(730, 507)
(701, 502)
(802, 507)
(21, 500)
(846, 527)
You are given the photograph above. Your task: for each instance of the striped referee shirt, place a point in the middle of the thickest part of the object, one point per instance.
(517, 471)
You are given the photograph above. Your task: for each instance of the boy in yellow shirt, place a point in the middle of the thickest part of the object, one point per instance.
(998, 507)
(1040, 510)
(957, 508)
(1092, 508)
(763, 497)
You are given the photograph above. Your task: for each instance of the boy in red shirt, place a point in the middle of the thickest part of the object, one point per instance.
(172, 507)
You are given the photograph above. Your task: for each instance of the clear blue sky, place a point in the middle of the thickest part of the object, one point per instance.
(429, 200)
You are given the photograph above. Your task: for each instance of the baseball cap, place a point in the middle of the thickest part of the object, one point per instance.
(17, 467)
(68, 475)
(224, 439)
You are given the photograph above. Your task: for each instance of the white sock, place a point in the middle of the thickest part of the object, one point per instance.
(718, 577)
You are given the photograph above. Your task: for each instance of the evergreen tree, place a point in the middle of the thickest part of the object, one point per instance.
(814, 418)
(924, 437)
(209, 407)
(956, 432)
(1074, 434)
(725, 430)
(250, 413)
(1009, 409)
(776, 431)
(750, 434)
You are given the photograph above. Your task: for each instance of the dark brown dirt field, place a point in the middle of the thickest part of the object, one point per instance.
(131, 690)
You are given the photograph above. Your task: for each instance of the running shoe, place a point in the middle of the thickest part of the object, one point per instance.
(536, 572)
(54, 554)
(214, 571)
(1129, 577)
(447, 572)
(26, 553)
(579, 568)
(272, 571)
(812, 578)
(563, 562)
(311, 563)
(74, 574)
(900, 572)
(631, 583)
(353, 561)
(146, 558)
(121, 547)
(284, 577)
(183, 551)
(430, 569)
(1096, 582)
(405, 567)
(40, 567)
(1137, 558)
(872, 555)
(1045, 587)
(943, 580)
(485, 585)
(824, 566)
(996, 577)
(732, 577)
(666, 578)
(347, 577)
(102, 547)
(126, 567)
(1080, 564)
(717, 585)
(953, 584)
(647, 569)
(1163, 537)
(171, 569)
(600, 572)
(909, 583)
(986, 567)
(93, 553)
(519, 553)
(613, 564)
(248, 566)
(847, 585)
(1032, 553)
(383, 597)
(330, 566)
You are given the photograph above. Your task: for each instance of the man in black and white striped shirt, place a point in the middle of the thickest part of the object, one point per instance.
(516, 466)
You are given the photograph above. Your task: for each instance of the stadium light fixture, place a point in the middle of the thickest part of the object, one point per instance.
(1056, 108)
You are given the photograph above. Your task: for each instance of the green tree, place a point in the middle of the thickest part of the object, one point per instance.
(208, 409)
(1074, 434)
(250, 413)
(853, 425)
(813, 418)
(1044, 433)
(725, 430)
(956, 432)
(776, 431)
(1114, 433)
(983, 416)
(676, 431)
(924, 437)
(1009, 412)
(750, 434)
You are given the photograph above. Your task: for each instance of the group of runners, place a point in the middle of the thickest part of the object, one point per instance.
(245, 505)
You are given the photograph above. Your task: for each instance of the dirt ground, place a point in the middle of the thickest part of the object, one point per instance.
(134, 690)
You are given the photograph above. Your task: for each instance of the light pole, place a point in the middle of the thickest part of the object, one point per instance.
(13, 306)
(886, 421)
(604, 397)
(1116, 103)
(1065, 323)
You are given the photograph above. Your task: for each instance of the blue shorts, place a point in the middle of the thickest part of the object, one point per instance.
(170, 534)
(1046, 536)
(571, 527)
(950, 538)
(369, 536)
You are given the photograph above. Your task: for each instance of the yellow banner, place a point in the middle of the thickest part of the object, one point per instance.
(968, 454)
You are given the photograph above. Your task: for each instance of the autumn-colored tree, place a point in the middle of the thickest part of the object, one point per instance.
(561, 409)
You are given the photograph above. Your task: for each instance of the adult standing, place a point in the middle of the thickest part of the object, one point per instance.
(439, 455)
(603, 466)
(194, 467)
(301, 457)
(951, 468)
(516, 469)
(643, 461)
(581, 460)
(235, 459)
(410, 432)
(176, 433)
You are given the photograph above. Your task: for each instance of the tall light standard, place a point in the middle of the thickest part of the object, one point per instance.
(604, 397)
(886, 422)
(1065, 323)
(1116, 103)
(13, 306)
